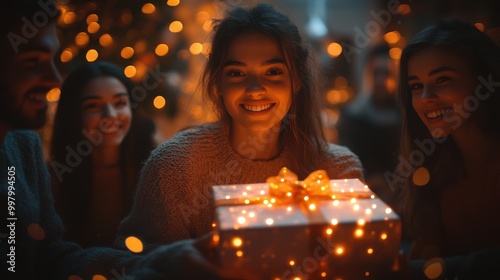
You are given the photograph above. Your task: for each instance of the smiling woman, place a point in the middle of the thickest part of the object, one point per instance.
(450, 95)
(261, 81)
(93, 175)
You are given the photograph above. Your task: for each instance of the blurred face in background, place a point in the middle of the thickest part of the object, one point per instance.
(27, 75)
(382, 70)
(106, 110)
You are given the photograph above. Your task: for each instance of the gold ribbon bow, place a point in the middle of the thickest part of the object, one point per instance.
(286, 186)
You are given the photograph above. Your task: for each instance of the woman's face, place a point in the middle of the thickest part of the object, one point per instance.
(255, 83)
(106, 112)
(442, 87)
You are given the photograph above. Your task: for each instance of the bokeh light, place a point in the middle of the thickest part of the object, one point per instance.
(175, 27)
(334, 49)
(92, 55)
(148, 8)
(159, 102)
(161, 49)
(421, 176)
(134, 244)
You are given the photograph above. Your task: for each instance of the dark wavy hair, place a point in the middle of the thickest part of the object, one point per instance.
(445, 164)
(302, 126)
(73, 190)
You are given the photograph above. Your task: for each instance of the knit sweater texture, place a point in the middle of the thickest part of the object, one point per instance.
(174, 200)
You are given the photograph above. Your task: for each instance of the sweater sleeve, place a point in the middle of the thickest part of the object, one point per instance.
(163, 207)
(342, 163)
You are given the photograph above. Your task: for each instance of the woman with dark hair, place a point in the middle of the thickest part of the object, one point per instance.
(261, 82)
(95, 159)
(449, 174)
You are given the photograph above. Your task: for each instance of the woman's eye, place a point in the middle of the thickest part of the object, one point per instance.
(414, 87)
(90, 106)
(442, 79)
(274, 71)
(234, 73)
(121, 102)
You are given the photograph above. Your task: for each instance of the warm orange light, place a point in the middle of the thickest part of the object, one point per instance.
(134, 244)
(175, 27)
(93, 27)
(130, 71)
(421, 176)
(92, 55)
(395, 53)
(127, 52)
(92, 18)
(403, 9)
(66, 55)
(159, 102)
(173, 3)
(82, 39)
(479, 26)
(392, 37)
(196, 48)
(53, 95)
(237, 242)
(105, 40)
(161, 50)
(69, 17)
(334, 49)
(339, 250)
(148, 8)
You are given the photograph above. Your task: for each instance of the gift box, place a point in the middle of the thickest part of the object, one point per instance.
(312, 229)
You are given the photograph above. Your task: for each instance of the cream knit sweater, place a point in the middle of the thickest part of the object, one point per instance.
(173, 199)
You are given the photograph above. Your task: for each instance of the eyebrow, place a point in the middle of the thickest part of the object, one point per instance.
(97, 97)
(267, 62)
(433, 72)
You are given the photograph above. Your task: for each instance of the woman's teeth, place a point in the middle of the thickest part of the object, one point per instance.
(37, 97)
(438, 113)
(257, 108)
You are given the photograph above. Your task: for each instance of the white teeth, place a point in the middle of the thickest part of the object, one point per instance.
(438, 113)
(257, 108)
(37, 97)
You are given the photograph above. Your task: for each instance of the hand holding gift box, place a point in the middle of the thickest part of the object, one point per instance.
(312, 229)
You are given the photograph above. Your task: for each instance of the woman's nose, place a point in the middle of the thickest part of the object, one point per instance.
(254, 87)
(109, 111)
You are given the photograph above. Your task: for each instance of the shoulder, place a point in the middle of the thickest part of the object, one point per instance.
(23, 144)
(340, 152)
(342, 162)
